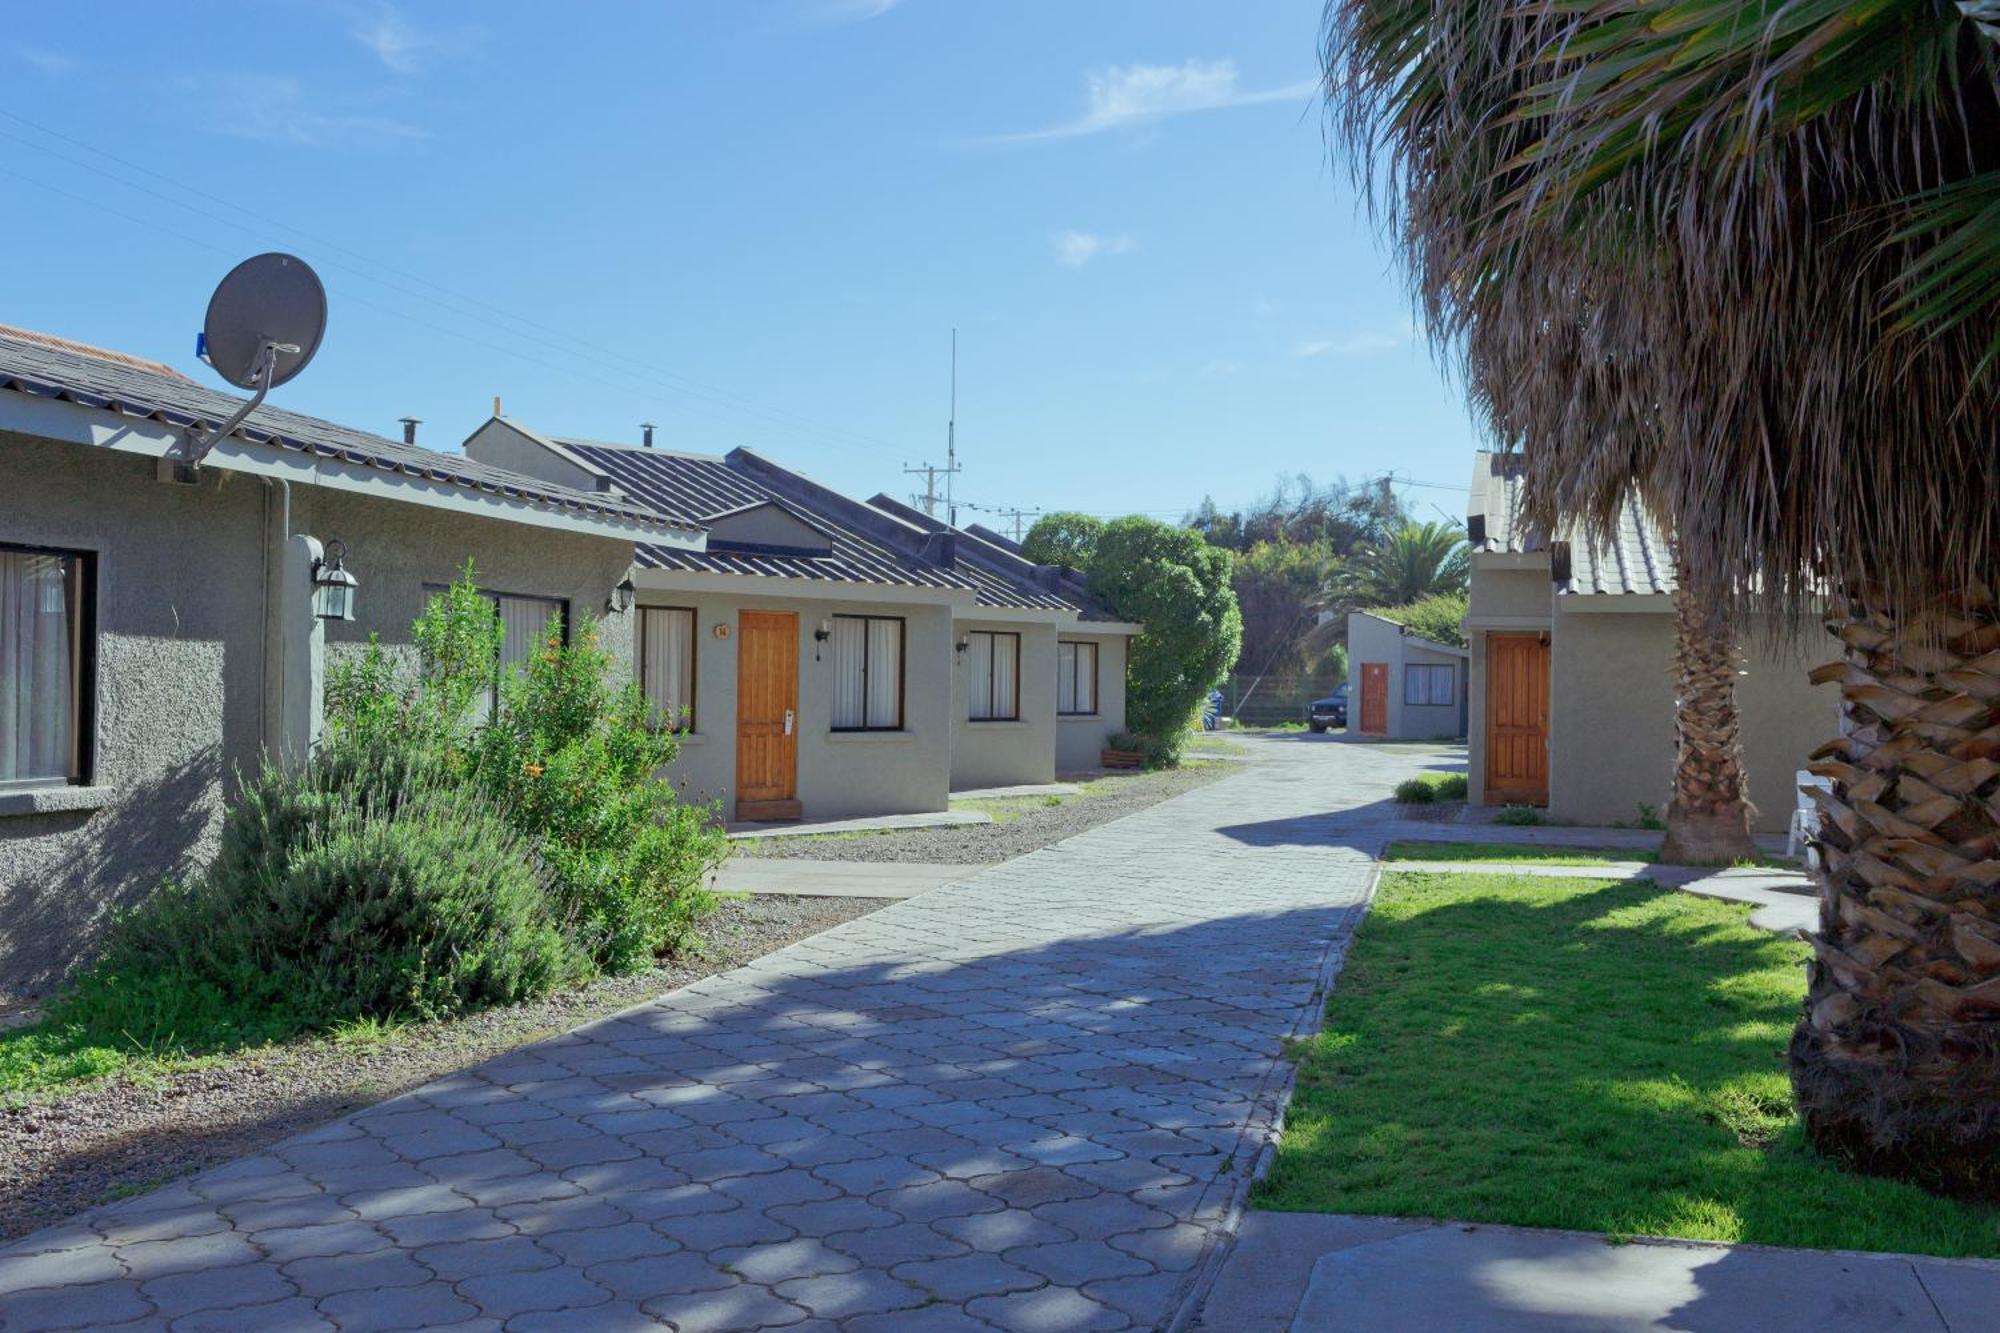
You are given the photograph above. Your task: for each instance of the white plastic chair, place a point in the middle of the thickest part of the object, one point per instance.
(1805, 819)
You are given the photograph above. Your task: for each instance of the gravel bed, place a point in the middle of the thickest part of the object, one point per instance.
(1024, 825)
(127, 1136)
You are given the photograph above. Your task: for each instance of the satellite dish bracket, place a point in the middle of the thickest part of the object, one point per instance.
(195, 446)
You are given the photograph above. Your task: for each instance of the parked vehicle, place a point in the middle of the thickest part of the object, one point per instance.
(1328, 712)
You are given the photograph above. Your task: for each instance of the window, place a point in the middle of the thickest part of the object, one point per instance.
(1427, 683)
(867, 673)
(995, 687)
(524, 620)
(1076, 679)
(46, 638)
(666, 662)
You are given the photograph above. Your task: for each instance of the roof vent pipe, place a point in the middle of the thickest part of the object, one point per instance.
(410, 425)
(646, 433)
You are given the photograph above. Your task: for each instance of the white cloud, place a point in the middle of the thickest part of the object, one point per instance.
(1127, 95)
(1354, 344)
(400, 45)
(1074, 249)
(274, 108)
(52, 63)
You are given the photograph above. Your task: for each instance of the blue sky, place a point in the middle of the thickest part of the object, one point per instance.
(754, 223)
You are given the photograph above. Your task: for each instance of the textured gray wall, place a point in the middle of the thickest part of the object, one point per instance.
(180, 660)
(1006, 754)
(1080, 740)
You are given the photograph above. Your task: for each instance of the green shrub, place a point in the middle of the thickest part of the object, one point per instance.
(569, 760)
(1415, 791)
(1518, 814)
(1451, 787)
(350, 889)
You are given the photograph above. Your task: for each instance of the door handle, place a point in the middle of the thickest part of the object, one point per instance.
(788, 721)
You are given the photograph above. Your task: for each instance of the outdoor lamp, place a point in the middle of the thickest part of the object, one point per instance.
(820, 636)
(333, 586)
(964, 642)
(621, 597)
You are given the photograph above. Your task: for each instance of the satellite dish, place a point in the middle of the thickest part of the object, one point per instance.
(272, 301)
(264, 324)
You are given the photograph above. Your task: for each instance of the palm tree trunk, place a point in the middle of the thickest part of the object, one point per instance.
(1896, 1060)
(1708, 819)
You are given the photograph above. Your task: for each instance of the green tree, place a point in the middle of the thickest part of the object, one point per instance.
(1063, 538)
(1417, 560)
(1743, 259)
(1439, 617)
(1177, 585)
(1279, 585)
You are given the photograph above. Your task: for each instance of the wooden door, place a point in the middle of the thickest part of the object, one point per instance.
(1517, 719)
(1374, 699)
(767, 722)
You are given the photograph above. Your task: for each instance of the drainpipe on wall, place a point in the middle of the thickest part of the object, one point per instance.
(301, 655)
(277, 531)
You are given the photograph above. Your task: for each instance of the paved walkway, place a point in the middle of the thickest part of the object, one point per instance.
(837, 879)
(1028, 1100)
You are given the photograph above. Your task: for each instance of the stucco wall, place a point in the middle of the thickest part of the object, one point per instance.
(1080, 740)
(839, 774)
(1006, 754)
(181, 670)
(1503, 598)
(1611, 729)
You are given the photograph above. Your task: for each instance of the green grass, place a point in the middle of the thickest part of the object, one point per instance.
(1578, 1053)
(1007, 809)
(1513, 851)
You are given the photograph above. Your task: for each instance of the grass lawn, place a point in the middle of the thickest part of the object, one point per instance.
(1578, 1053)
(1514, 851)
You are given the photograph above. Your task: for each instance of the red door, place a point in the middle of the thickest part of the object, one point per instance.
(1517, 719)
(1374, 698)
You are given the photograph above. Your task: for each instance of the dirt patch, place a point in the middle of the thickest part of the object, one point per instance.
(112, 1140)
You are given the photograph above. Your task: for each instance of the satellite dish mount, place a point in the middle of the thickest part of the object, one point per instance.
(264, 323)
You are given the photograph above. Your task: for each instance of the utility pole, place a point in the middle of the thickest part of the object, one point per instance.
(1017, 515)
(930, 474)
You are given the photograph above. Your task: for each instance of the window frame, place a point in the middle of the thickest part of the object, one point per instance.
(82, 592)
(991, 675)
(1076, 646)
(1450, 670)
(902, 670)
(492, 597)
(686, 726)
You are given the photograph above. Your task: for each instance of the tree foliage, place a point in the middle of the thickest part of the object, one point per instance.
(1337, 516)
(1416, 561)
(1178, 586)
(1063, 538)
(1439, 617)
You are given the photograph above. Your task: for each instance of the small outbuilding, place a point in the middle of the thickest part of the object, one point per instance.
(1406, 687)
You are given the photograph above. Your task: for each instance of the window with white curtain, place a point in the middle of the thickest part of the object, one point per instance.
(666, 662)
(524, 621)
(1076, 679)
(867, 673)
(1428, 683)
(44, 666)
(994, 688)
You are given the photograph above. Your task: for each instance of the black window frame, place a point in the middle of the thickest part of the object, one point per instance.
(1451, 683)
(996, 635)
(902, 670)
(685, 727)
(1079, 644)
(493, 596)
(83, 667)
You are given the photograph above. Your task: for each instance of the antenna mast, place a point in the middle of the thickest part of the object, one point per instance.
(951, 437)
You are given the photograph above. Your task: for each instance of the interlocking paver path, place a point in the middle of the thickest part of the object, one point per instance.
(1028, 1101)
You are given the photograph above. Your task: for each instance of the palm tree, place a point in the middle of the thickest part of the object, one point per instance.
(1742, 258)
(1708, 819)
(1417, 560)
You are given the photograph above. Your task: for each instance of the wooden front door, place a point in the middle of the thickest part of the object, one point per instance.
(767, 715)
(1374, 698)
(1517, 719)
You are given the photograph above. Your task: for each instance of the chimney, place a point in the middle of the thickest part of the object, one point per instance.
(410, 425)
(646, 433)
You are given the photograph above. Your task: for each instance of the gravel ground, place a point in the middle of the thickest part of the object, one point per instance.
(1020, 827)
(127, 1136)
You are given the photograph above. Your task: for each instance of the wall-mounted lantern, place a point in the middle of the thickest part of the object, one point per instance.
(964, 642)
(333, 586)
(621, 597)
(820, 636)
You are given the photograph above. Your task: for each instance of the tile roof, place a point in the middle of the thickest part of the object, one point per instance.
(1002, 575)
(693, 487)
(1637, 560)
(42, 366)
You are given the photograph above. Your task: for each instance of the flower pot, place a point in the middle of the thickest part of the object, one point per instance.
(1122, 759)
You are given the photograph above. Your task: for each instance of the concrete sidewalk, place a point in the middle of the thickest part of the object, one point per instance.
(837, 879)
(1319, 1273)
